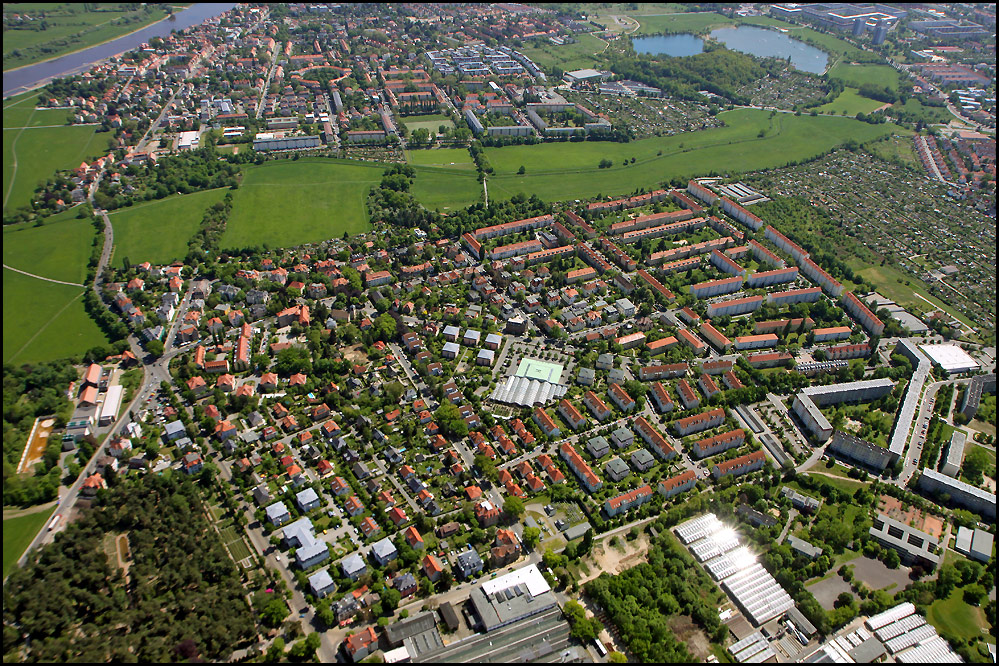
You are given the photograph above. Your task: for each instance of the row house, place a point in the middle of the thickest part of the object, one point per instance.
(699, 422)
(665, 371)
(621, 397)
(710, 446)
(739, 466)
(660, 447)
(597, 407)
(677, 484)
(546, 423)
(586, 476)
(571, 415)
(628, 500)
(688, 397)
(663, 402)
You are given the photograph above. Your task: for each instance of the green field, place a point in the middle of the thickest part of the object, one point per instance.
(850, 103)
(158, 231)
(430, 122)
(697, 23)
(896, 148)
(446, 189)
(559, 171)
(69, 27)
(44, 321)
(568, 57)
(857, 75)
(928, 114)
(449, 158)
(288, 203)
(32, 154)
(955, 617)
(18, 534)
(58, 250)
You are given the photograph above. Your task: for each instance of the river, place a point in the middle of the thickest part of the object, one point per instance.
(32, 76)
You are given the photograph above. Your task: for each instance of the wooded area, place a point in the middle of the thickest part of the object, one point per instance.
(182, 598)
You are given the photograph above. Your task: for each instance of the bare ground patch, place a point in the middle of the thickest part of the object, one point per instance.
(614, 560)
(686, 631)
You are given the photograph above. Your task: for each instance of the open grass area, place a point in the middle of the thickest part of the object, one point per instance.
(844, 484)
(856, 74)
(896, 148)
(431, 122)
(568, 57)
(289, 202)
(58, 250)
(44, 321)
(446, 190)
(904, 289)
(158, 231)
(850, 103)
(448, 158)
(955, 617)
(32, 153)
(71, 27)
(916, 110)
(559, 171)
(18, 533)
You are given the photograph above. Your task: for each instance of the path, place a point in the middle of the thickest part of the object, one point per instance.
(17, 513)
(39, 277)
(13, 152)
(46, 325)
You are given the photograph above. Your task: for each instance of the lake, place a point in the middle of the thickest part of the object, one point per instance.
(770, 43)
(671, 45)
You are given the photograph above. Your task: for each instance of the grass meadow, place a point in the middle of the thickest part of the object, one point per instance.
(558, 171)
(158, 231)
(290, 202)
(857, 75)
(33, 150)
(58, 250)
(568, 57)
(44, 321)
(850, 103)
(448, 158)
(18, 533)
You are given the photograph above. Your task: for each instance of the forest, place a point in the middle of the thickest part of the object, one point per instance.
(717, 70)
(180, 596)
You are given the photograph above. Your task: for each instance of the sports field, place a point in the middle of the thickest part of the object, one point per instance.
(18, 534)
(559, 171)
(287, 202)
(58, 250)
(850, 103)
(70, 27)
(33, 152)
(533, 368)
(430, 122)
(448, 158)
(158, 231)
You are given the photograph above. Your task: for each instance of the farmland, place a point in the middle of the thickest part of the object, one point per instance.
(158, 231)
(70, 27)
(787, 138)
(58, 250)
(34, 147)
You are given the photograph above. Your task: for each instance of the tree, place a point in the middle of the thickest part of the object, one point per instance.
(275, 612)
(531, 537)
(973, 594)
(514, 507)
(155, 347)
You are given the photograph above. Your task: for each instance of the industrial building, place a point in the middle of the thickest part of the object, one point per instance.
(517, 595)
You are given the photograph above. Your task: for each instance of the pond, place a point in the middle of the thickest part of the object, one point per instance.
(670, 45)
(766, 43)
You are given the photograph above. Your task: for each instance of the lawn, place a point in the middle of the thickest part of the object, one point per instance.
(446, 190)
(905, 290)
(955, 617)
(579, 55)
(559, 171)
(850, 103)
(840, 483)
(58, 250)
(70, 27)
(430, 122)
(44, 321)
(33, 154)
(158, 231)
(18, 534)
(856, 75)
(290, 202)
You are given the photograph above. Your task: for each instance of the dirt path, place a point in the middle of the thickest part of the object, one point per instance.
(39, 277)
(17, 513)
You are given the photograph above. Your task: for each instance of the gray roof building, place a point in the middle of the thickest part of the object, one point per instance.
(384, 551)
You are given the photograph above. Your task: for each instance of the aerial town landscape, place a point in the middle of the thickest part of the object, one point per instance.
(499, 332)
